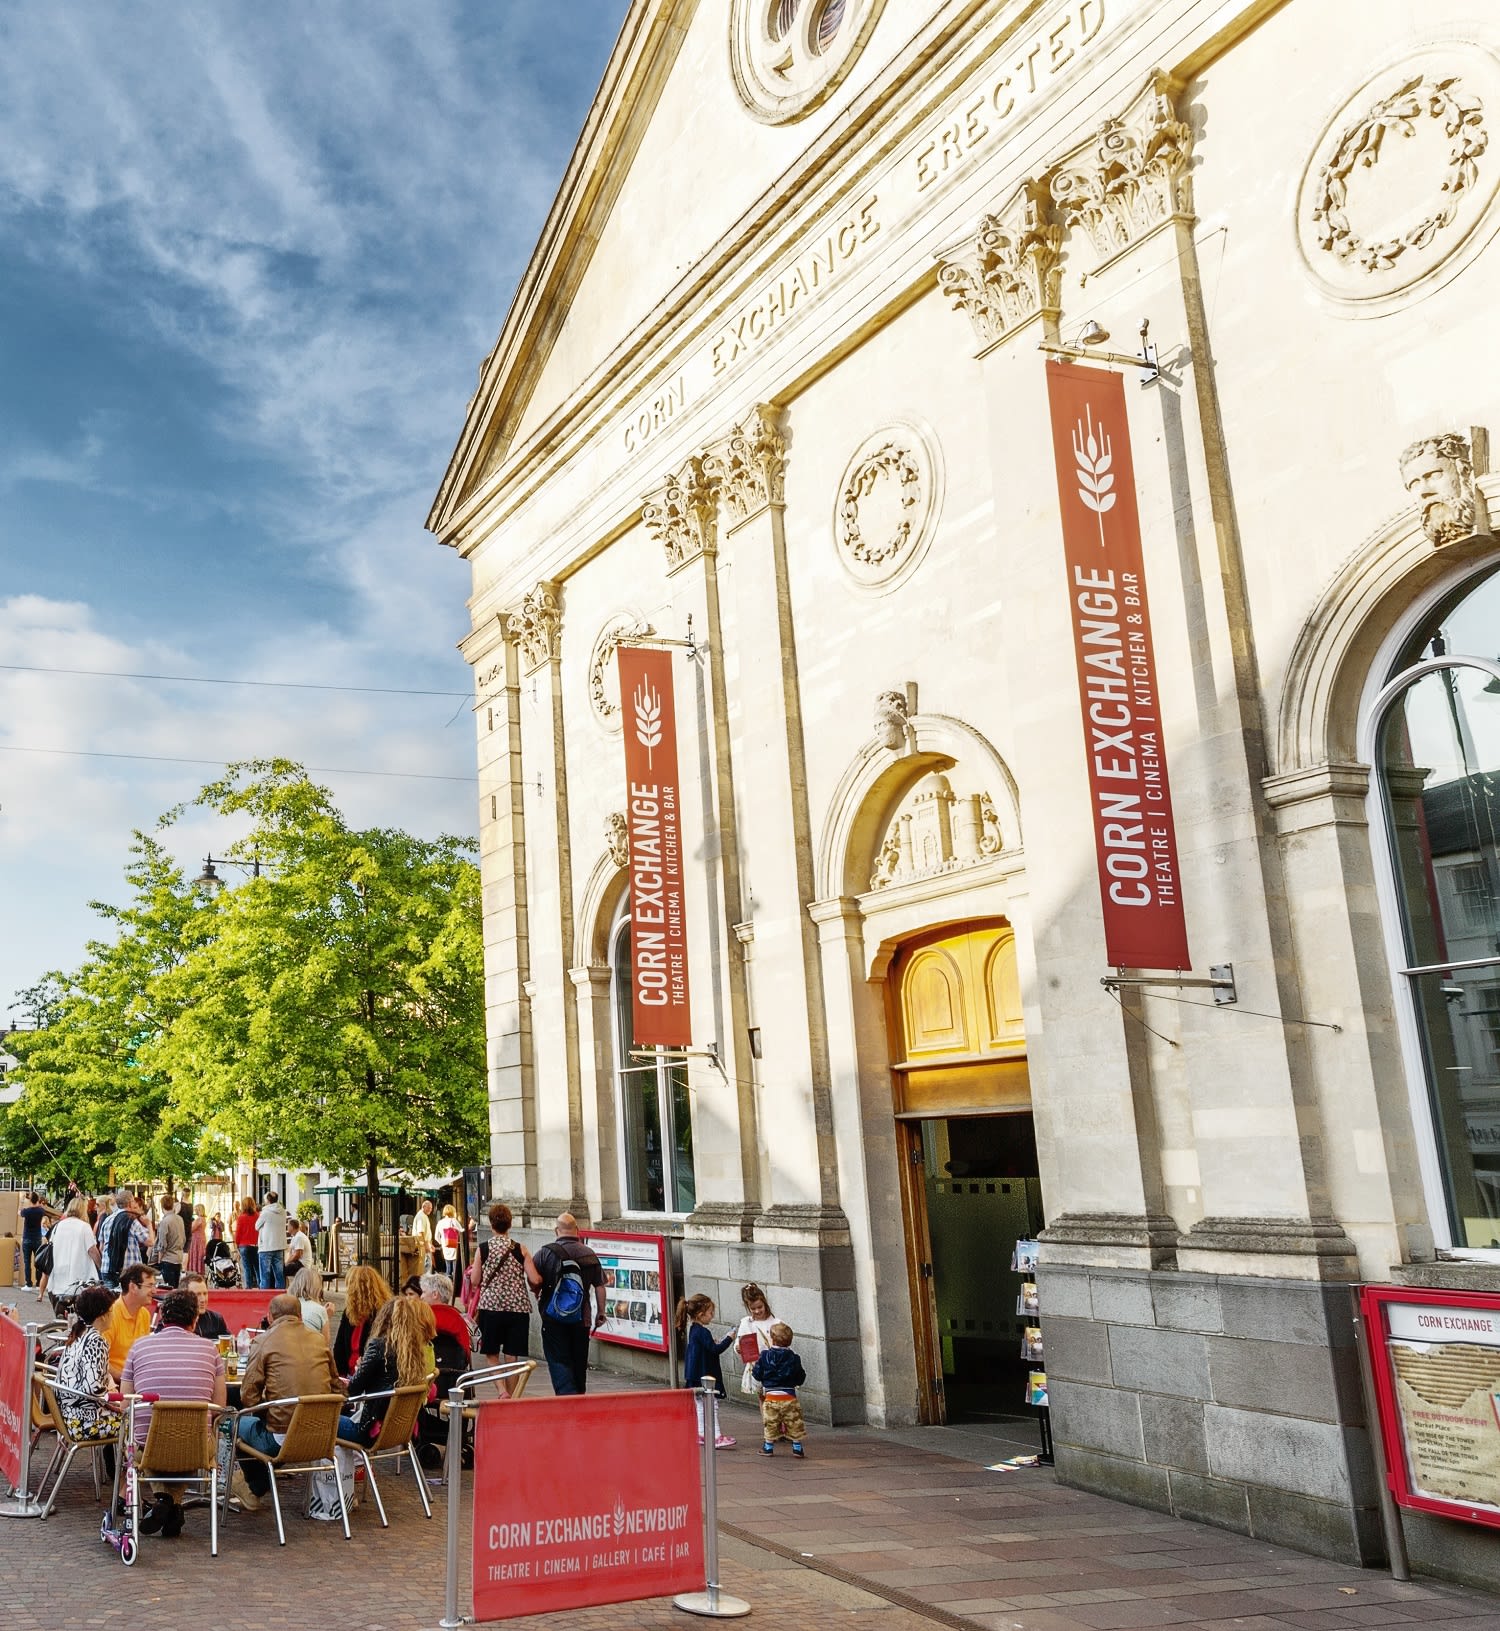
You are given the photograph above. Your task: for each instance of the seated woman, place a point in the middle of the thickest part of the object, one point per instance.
(83, 1377)
(397, 1353)
(365, 1294)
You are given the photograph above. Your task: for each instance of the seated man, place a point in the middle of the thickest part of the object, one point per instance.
(210, 1324)
(452, 1356)
(130, 1318)
(289, 1362)
(173, 1364)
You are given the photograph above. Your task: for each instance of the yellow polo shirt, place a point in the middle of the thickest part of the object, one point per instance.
(124, 1328)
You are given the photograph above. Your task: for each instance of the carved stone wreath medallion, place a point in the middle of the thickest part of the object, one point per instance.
(1400, 185)
(604, 673)
(887, 505)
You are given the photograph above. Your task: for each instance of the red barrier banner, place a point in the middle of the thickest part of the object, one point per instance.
(1134, 837)
(15, 1413)
(658, 921)
(240, 1309)
(579, 1501)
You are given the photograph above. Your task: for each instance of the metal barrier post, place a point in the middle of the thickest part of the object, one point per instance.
(451, 1617)
(23, 1504)
(711, 1602)
(1390, 1513)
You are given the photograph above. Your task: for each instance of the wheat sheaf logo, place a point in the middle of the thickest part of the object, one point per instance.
(1093, 454)
(646, 705)
(619, 1516)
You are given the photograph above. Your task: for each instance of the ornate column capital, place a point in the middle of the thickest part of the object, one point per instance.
(536, 629)
(1132, 174)
(682, 514)
(749, 465)
(1007, 273)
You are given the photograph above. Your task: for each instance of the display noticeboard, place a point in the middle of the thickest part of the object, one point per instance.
(583, 1501)
(1436, 1362)
(635, 1278)
(15, 1414)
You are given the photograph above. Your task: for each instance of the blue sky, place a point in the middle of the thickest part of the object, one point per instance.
(250, 259)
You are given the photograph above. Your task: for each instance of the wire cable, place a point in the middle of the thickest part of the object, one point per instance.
(210, 679)
(222, 764)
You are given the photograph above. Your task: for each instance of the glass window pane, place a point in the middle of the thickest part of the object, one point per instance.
(1439, 755)
(640, 1100)
(684, 1185)
(1459, 1014)
(1465, 624)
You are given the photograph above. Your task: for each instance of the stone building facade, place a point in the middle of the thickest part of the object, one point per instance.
(772, 396)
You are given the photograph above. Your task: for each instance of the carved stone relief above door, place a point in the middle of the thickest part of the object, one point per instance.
(935, 830)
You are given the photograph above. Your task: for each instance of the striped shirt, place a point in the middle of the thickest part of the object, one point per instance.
(174, 1364)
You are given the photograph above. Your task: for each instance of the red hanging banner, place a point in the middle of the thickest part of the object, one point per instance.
(585, 1500)
(658, 919)
(1134, 837)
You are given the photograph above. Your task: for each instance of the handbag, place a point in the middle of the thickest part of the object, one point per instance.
(42, 1258)
(748, 1384)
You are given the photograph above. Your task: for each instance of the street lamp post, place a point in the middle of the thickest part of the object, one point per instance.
(209, 879)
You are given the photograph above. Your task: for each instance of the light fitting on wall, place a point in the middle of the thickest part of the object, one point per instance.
(1094, 333)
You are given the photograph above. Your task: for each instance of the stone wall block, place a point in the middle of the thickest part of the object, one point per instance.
(1304, 1457)
(704, 1260)
(1098, 1418)
(1153, 1361)
(1289, 1378)
(1173, 1433)
(1077, 1350)
(1110, 1475)
(750, 1262)
(1276, 1310)
(1120, 1300)
(1064, 1292)
(1183, 1303)
(1208, 1500)
(1348, 1535)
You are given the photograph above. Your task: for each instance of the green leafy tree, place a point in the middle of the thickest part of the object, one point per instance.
(335, 1016)
(91, 1102)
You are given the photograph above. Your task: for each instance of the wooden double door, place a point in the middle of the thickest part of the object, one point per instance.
(970, 1189)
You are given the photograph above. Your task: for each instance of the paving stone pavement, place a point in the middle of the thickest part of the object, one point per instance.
(873, 1532)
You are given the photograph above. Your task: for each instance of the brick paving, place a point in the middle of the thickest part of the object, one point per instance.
(873, 1532)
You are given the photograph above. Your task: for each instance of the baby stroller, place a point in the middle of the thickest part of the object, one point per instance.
(219, 1266)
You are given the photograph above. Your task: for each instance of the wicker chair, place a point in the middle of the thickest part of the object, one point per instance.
(308, 1446)
(394, 1441)
(180, 1448)
(48, 1403)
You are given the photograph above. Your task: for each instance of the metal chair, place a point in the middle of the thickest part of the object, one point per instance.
(308, 1446)
(69, 1441)
(180, 1448)
(394, 1441)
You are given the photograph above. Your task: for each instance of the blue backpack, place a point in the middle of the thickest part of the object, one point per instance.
(569, 1296)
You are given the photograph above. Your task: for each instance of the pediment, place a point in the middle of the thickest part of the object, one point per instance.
(672, 158)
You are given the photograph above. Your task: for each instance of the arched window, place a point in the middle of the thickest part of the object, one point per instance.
(655, 1108)
(1434, 734)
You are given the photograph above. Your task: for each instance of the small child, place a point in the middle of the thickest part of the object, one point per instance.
(752, 1335)
(779, 1372)
(700, 1358)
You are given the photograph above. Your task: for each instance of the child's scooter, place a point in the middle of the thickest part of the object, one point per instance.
(118, 1524)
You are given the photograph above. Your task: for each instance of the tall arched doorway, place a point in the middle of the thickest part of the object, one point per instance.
(970, 1189)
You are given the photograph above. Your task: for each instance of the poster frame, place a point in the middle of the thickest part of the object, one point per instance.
(589, 1236)
(1374, 1304)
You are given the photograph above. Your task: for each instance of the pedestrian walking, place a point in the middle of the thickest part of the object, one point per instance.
(779, 1372)
(421, 1230)
(34, 1215)
(700, 1359)
(245, 1244)
(270, 1237)
(447, 1235)
(563, 1274)
(197, 1241)
(171, 1242)
(503, 1307)
(75, 1256)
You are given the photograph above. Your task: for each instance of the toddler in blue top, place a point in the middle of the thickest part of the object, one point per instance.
(700, 1358)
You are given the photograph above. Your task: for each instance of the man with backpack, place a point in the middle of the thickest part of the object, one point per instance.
(125, 1237)
(563, 1273)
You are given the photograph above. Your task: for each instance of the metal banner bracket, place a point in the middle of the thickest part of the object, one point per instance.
(1220, 981)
